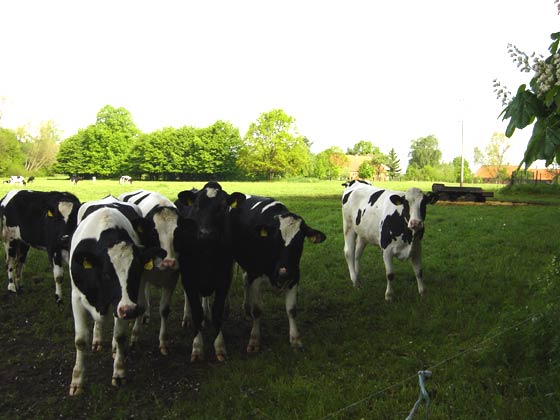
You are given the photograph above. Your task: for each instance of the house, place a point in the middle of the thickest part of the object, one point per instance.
(353, 167)
(488, 174)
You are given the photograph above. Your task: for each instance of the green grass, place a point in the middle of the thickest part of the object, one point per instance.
(482, 266)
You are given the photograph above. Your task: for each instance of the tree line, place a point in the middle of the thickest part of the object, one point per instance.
(272, 148)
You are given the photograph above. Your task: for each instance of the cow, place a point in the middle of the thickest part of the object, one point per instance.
(125, 179)
(74, 179)
(15, 180)
(160, 211)
(43, 220)
(30, 179)
(205, 257)
(393, 220)
(106, 265)
(267, 244)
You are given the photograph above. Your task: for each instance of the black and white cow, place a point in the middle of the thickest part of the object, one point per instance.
(205, 257)
(268, 244)
(160, 211)
(43, 220)
(125, 179)
(15, 180)
(107, 261)
(74, 179)
(393, 220)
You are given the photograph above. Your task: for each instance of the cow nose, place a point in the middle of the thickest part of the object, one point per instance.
(415, 225)
(283, 272)
(128, 311)
(207, 235)
(168, 263)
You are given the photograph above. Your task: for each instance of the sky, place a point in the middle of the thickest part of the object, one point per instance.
(388, 72)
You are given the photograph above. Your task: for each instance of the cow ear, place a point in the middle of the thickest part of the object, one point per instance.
(147, 256)
(141, 226)
(236, 199)
(397, 200)
(315, 236)
(432, 198)
(187, 197)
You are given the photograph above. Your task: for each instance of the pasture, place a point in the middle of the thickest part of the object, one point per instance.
(474, 329)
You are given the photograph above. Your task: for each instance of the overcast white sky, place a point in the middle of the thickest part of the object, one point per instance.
(384, 71)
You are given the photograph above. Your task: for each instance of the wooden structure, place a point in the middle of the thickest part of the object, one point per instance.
(461, 193)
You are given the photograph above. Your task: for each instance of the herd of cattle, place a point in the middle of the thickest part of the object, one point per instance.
(116, 246)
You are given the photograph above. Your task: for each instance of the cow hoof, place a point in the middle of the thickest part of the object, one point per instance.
(118, 382)
(297, 345)
(164, 350)
(12, 288)
(389, 298)
(221, 357)
(96, 347)
(253, 348)
(75, 389)
(146, 320)
(357, 284)
(186, 323)
(196, 357)
(58, 300)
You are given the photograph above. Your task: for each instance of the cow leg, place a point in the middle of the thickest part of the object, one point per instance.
(119, 341)
(358, 252)
(389, 273)
(350, 254)
(253, 308)
(96, 343)
(23, 249)
(58, 274)
(197, 317)
(12, 265)
(217, 318)
(164, 310)
(80, 340)
(140, 320)
(416, 260)
(291, 302)
(187, 317)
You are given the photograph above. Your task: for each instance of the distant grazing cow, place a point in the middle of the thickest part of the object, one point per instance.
(106, 265)
(43, 220)
(74, 179)
(393, 220)
(15, 180)
(125, 179)
(205, 256)
(268, 244)
(160, 211)
(30, 179)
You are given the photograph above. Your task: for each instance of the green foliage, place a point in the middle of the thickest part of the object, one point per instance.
(540, 104)
(40, 150)
(11, 156)
(363, 147)
(329, 163)
(467, 173)
(393, 164)
(424, 151)
(272, 148)
(366, 170)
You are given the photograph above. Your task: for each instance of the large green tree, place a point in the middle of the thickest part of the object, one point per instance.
(363, 147)
(329, 163)
(424, 151)
(40, 150)
(273, 148)
(102, 148)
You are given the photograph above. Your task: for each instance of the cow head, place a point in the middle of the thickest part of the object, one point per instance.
(283, 241)
(414, 204)
(165, 222)
(111, 275)
(207, 211)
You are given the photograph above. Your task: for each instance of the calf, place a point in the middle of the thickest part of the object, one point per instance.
(15, 180)
(125, 179)
(106, 265)
(205, 256)
(74, 179)
(43, 220)
(394, 220)
(160, 211)
(268, 244)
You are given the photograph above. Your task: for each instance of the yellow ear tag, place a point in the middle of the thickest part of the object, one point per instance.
(50, 213)
(263, 233)
(87, 265)
(149, 265)
(233, 205)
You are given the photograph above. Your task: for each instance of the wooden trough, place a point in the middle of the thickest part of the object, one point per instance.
(475, 194)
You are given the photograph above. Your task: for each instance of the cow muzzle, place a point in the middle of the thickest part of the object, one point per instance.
(168, 264)
(129, 311)
(415, 225)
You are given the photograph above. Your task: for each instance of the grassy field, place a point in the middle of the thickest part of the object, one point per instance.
(480, 329)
